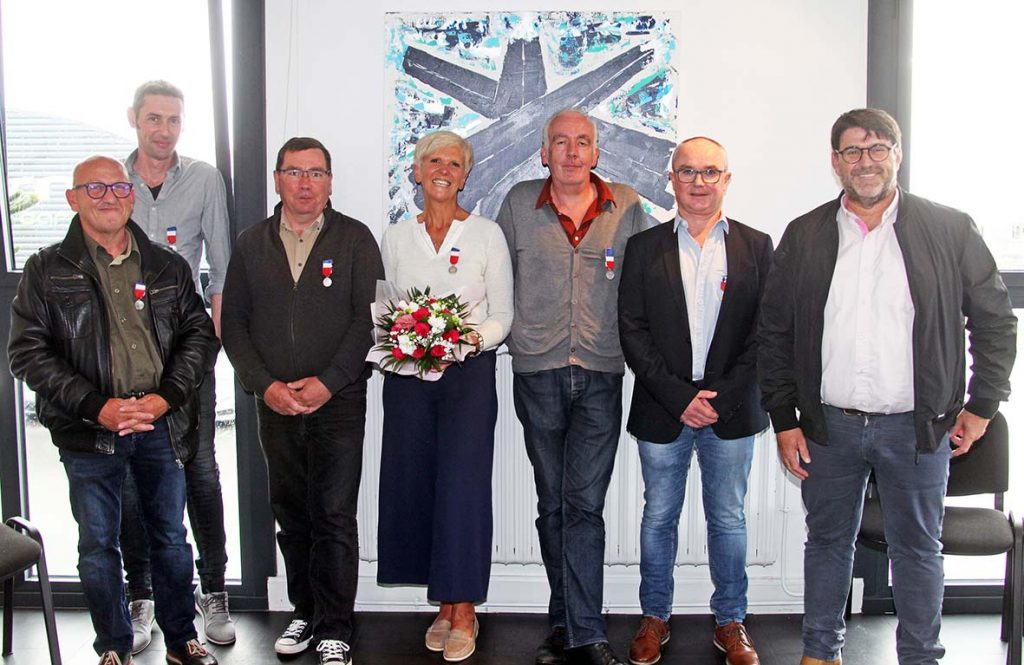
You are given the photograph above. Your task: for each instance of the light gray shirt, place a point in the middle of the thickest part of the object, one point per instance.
(193, 202)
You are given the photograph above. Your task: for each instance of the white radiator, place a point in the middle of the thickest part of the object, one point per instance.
(515, 501)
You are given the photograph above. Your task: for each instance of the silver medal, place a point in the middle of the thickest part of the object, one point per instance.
(610, 274)
(327, 281)
(453, 269)
(139, 305)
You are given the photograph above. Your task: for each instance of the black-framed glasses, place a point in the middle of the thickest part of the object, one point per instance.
(316, 175)
(877, 152)
(710, 176)
(97, 190)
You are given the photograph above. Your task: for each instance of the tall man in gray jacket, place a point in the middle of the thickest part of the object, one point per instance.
(862, 333)
(567, 236)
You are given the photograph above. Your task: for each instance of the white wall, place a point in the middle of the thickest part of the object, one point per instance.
(765, 79)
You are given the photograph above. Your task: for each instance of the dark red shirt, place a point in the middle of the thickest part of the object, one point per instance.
(574, 234)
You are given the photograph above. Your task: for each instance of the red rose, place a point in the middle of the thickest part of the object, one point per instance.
(418, 352)
(432, 301)
(452, 336)
(397, 353)
(422, 329)
(437, 351)
(421, 313)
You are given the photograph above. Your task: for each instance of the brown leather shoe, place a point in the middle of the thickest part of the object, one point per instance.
(807, 660)
(646, 646)
(732, 638)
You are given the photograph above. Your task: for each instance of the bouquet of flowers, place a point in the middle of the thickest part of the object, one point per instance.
(419, 333)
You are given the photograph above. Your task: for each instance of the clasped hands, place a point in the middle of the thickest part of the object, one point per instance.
(300, 397)
(134, 414)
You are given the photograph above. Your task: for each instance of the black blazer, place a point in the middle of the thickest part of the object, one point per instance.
(655, 335)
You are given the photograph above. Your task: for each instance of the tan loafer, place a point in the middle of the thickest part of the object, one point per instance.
(460, 644)
(437, 634)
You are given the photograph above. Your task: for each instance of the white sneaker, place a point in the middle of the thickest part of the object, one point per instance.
(295, 638)
(141, 612)
(333, 652)
(217, 623)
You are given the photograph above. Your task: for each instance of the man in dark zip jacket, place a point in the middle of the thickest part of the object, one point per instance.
(109, 332)
(862, 333)
(296, 325)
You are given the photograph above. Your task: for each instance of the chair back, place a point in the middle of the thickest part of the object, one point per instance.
(985, 469)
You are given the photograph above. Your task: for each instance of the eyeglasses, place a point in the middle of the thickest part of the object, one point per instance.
(709, 176)
(97, 190)
(316, 175)
(877, 152)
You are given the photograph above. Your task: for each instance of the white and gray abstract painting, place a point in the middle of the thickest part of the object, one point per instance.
(495, 77)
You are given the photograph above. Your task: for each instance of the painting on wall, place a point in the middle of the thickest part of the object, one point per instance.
(495, 77)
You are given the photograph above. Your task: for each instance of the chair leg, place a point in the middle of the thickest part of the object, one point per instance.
(49, 616)
(8, 616)
(1004, 623)
(1013, 648)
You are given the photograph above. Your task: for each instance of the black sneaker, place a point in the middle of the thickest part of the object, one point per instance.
(191, 653)
(333, 652)
(295, 638)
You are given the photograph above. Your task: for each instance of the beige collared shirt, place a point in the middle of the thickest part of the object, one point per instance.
(297, 247)
(135, 363)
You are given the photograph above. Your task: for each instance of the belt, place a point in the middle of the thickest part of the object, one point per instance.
(856, 412)
(135, 393)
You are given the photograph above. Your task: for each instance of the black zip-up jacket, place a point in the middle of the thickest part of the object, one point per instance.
(275, 329)
(951, 274)
(60, 340)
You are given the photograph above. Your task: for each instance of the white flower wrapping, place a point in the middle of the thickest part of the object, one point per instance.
(391, 300)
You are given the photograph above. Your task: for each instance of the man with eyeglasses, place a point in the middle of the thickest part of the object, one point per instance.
(181, 202)
(688, 305)
(861, 363)
(108, 331)
(567, 236)
(297, 328)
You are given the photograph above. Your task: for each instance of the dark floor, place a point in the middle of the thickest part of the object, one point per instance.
(507, 639)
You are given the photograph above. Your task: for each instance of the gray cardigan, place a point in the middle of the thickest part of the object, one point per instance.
(565, 306)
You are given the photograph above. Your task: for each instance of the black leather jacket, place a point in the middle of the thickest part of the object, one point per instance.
(60, 341)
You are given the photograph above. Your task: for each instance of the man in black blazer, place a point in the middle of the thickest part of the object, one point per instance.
(688, 307)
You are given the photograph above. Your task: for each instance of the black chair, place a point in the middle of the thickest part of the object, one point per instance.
(985, 469)
(18, 553)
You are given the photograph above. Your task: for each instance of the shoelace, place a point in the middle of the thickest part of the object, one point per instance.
(332, 649)
(295, 629)
(215, 603)
(194, 648)
(737, 634)
(110, 658)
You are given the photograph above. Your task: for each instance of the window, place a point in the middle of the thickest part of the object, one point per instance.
(70, 70)
(966, 153)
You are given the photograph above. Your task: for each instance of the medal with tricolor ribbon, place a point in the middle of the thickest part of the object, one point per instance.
(453, 260)
(172, 236)
(609, 262)
(327, 269)
(140, 293)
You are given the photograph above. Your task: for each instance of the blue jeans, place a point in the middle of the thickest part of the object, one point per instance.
(571, 419)
(95, 480)
(912, 490)
(724, 468)
(205, 511)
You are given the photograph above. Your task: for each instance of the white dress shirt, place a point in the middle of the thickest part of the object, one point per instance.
(704, 273)
(867, 340)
